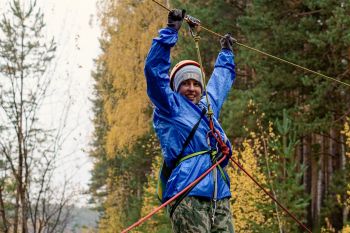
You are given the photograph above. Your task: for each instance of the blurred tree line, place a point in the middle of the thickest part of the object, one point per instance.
(289, 127)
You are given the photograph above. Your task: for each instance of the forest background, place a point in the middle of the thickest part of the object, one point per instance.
(289, 128)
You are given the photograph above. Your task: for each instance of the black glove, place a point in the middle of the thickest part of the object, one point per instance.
(227, 42)
(175, 18)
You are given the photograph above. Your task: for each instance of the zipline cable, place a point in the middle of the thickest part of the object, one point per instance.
(223, 146)
(266, 54)
(142, 220)
(216, 134)
(293, 64)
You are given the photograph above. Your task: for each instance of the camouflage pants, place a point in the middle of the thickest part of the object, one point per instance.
(194, 215)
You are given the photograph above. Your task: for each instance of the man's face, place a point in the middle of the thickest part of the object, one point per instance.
(191, 89)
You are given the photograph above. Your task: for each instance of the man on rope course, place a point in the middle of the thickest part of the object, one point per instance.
(188, 146)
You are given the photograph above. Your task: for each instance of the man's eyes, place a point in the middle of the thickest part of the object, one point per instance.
(187, 82)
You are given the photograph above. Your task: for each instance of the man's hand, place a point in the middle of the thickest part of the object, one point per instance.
(227, 42)
(175, 18)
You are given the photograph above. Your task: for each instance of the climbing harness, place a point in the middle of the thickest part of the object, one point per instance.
(140, 221)
(216, 134)
(165, 171)
(214, 159)
(195, 28)
(223, 149)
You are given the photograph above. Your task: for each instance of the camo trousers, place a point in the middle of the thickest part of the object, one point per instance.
(195, 215)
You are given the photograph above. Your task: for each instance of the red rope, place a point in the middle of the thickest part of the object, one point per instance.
(271, 196)
(142, 220)
(225, 150)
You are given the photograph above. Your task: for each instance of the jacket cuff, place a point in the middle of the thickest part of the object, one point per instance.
(227, 51)
(167, 36)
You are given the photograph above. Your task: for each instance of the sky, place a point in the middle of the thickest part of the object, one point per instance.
(74, 26)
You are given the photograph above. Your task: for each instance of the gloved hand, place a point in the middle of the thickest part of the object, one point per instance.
(227, 42)
(175, 18)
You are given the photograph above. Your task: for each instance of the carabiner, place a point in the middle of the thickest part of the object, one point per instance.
(192, 21)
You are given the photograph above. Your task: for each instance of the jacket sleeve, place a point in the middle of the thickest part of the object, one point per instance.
(221, 80)
(156, 70)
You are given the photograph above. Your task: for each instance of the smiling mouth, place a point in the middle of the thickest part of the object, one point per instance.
(191, 97)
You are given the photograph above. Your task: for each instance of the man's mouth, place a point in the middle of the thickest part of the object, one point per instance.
(191, 97)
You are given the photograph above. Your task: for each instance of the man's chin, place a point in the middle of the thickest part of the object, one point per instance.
(193, 100)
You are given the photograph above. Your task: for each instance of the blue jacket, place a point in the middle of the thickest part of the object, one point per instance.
(174, 117)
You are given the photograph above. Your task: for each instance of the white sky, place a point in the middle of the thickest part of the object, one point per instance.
(73, 24)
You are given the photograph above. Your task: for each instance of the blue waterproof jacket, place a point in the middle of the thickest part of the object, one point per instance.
(174, 117)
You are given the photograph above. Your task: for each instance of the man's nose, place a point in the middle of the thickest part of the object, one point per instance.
(191, 86)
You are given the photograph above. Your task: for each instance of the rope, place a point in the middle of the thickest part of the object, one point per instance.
(196, 39)
(267, 54)
(293, 64)
(142, 220)
(223, 147)
(271, 196)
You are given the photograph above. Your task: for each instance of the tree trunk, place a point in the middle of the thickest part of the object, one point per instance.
(3, 213)
(332, 151)
(314, 182)
(345, 211)
(306, 161)
(320, 178)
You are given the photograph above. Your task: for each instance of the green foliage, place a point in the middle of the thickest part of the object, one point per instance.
(219, 16)
(307, 33)
(287, 173)
(274, 150)
(100, 170)
(123, 189)
(312, 33)
(336, 198)
(159, 222)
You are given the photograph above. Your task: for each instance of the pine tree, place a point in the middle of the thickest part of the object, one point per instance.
(313, 34)
(270, 157)
(287, 173)
(337, 200)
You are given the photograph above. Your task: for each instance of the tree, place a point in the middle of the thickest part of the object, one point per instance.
(247, 199)
(313, 34)
(160, 222)
(268, 154)
(28, 202)
(122, 111)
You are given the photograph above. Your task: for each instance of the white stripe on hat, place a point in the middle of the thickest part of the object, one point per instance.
(185, 73)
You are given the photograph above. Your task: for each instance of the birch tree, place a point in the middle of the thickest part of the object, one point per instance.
(28, 152)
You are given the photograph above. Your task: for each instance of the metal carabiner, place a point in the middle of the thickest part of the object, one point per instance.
(192, 21)
(194, 25)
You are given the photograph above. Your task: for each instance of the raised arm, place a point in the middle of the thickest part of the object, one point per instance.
(223, 76)
(158, 63)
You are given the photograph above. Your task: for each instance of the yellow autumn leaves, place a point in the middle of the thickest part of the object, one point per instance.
(130, 32)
